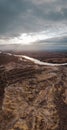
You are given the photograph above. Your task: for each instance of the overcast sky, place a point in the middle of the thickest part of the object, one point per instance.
(33, 22)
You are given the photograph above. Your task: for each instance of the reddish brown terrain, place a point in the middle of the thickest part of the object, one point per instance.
(33, 97)
(51, 57)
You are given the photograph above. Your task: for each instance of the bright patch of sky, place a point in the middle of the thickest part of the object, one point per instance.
(28, 38)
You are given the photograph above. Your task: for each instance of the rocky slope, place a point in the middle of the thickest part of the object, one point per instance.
(32, 97)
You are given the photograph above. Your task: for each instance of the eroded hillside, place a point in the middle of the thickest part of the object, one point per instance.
(32, 97)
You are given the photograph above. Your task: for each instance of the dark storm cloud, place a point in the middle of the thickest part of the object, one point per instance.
(52, 11)
(54, 41)
(61, 40)
(12, 14)
(19, 16)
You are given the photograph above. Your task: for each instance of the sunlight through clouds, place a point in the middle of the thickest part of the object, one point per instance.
(34, 37)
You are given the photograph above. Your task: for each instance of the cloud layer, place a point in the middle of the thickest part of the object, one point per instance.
(33, 20)
(18, 16)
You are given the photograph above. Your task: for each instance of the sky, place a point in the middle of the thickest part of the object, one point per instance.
(34, 23)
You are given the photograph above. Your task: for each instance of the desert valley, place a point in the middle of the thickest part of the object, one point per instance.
(33, 96)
